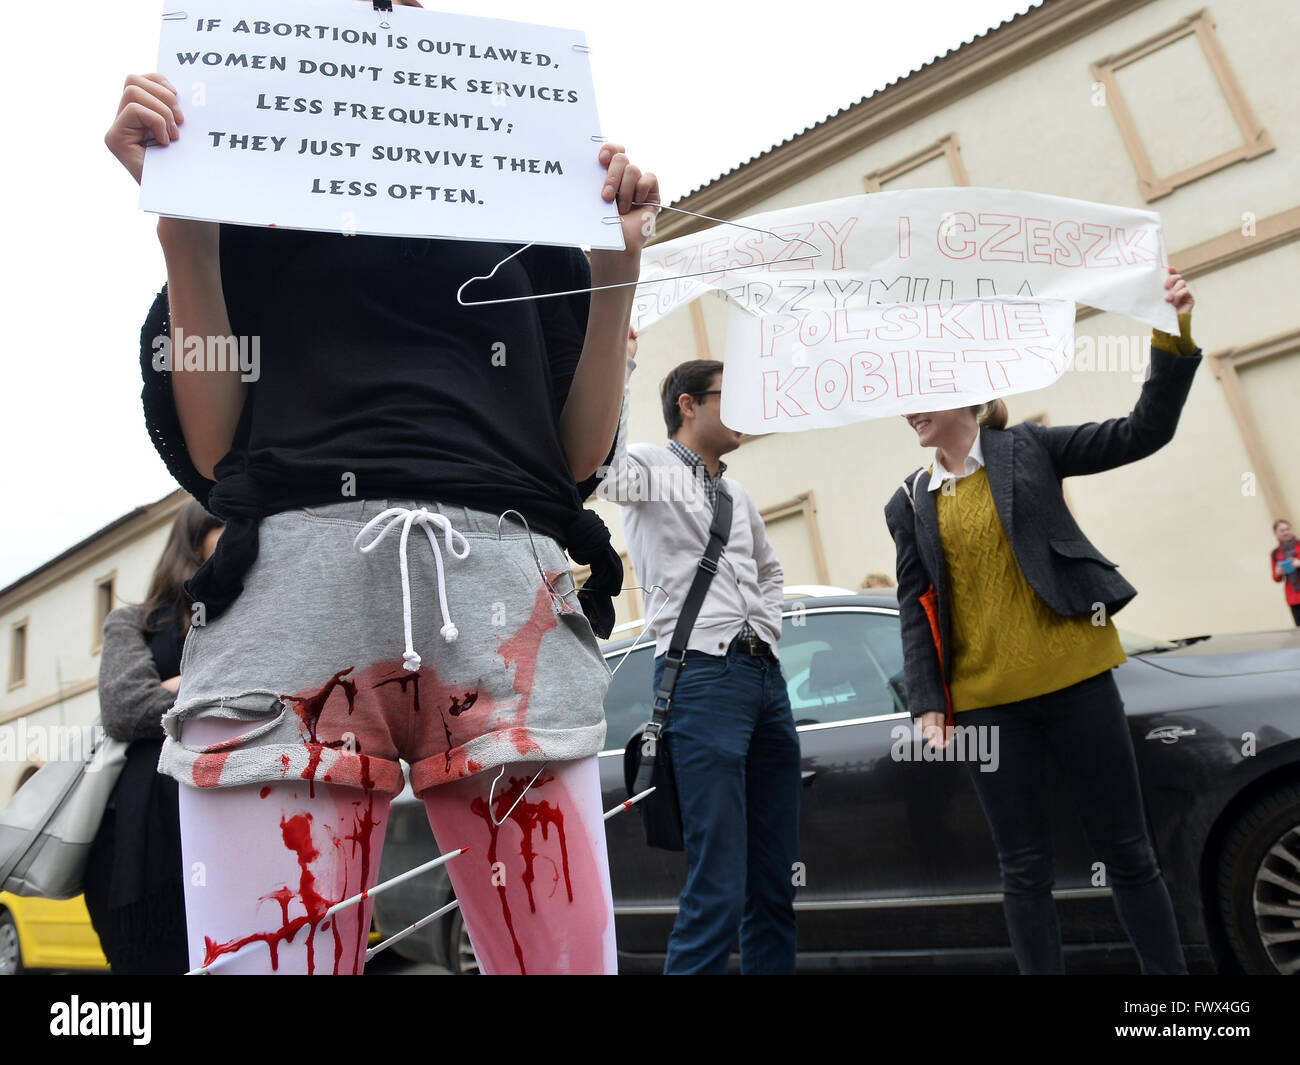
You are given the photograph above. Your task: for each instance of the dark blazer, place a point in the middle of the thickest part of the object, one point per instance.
(1025, 465)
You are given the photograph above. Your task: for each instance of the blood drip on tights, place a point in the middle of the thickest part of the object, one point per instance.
(527, 816)
(297, 837)
(362, 830)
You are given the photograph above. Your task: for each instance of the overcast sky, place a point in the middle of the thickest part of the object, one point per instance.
(693, 89)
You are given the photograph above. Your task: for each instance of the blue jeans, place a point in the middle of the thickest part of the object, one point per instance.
(735, 754)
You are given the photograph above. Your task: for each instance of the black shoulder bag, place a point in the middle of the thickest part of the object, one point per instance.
(647, 761)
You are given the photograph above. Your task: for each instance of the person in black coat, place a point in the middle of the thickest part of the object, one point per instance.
(1006, 613)
(134, 876)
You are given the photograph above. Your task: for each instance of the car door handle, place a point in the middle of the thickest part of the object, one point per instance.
(807, 776)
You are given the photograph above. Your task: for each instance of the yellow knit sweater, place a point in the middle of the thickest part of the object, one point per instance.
(1007, 644)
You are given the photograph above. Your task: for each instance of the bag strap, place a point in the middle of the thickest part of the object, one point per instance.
(719, 531)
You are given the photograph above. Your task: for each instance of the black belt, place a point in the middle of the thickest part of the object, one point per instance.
(751, 645)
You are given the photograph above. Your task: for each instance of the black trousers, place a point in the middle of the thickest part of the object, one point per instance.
(1084, 730)
(1295, 612)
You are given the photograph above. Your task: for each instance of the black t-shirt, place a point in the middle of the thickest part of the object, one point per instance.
(373, 382)
(372, 373)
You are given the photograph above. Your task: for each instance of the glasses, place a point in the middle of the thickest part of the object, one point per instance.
(710, 392)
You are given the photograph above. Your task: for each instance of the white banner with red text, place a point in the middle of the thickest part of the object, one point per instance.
(816, 369)
(913, 246)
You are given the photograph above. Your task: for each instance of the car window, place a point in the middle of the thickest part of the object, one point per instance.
(841, 665)
(628, 701)
(837, 666)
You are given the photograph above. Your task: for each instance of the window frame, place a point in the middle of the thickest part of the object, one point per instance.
(97, 622)
(15, 678)
(1255, 139)
(1226, 365)
(947, 147)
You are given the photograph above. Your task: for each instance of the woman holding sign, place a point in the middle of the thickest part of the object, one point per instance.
(1005, 608)
(400, 475)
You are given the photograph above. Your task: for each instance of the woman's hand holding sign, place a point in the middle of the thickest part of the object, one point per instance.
(1177, 293)
(625, 184)
(148, 112)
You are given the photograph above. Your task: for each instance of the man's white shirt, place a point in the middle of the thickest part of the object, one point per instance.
(666, 519)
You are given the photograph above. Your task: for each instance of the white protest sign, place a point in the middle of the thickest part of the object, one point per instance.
(820, 369)
(917, 245)
(308, 114)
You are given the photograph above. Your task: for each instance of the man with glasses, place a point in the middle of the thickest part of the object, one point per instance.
(729, 727)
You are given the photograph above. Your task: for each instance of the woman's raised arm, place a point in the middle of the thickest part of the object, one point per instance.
(208, 401)
(589, 420)
(1098, 446)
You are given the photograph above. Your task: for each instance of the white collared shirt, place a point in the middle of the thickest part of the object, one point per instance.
(974, 461)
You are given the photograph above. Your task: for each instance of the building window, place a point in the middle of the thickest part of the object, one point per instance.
(1163, 72)
(796, 537)
(18, 653)
(104, 588)
(934, 166)
(1257, 382)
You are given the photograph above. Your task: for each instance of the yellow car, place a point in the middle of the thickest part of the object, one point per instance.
(47, 934)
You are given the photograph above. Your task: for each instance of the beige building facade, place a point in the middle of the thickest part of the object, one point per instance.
(1153, 104)
(51, 620)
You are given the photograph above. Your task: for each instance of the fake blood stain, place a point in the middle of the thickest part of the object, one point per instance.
(528, 816)
(464, 712)
(361, 835)
(207, 768)
(479, 709)
(522, 649)
(445, 698)
(296, 833)
(209, 764)
(309, 708)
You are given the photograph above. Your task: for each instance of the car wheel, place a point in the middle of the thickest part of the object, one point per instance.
(1259, 885)
(11, 951)
(460, 952)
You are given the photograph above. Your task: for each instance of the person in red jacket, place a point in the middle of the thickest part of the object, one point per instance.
(1285, 559)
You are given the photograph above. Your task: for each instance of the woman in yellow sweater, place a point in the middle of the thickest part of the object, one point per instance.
(1006, 618)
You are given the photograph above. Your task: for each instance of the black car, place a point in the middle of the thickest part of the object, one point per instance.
(899, 870)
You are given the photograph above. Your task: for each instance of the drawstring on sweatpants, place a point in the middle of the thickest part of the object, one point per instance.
(425, 520)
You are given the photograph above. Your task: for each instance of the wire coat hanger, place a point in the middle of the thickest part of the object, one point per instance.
(609, 220)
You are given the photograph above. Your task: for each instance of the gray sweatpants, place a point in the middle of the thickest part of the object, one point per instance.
(340, 664)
